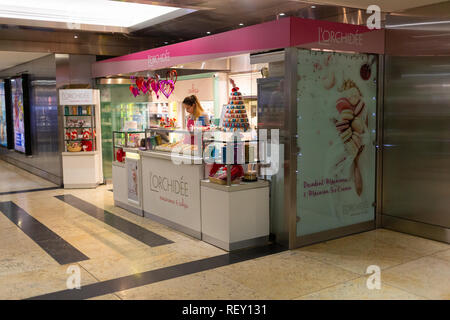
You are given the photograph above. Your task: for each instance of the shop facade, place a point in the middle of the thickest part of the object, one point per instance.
(312, 92)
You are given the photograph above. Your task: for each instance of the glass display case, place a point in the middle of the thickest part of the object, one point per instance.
(178, 141)
(127, 141)
(232, 161)
(79, 128)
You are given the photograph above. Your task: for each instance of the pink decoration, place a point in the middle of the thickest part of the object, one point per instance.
(166, 87)
(155, 86)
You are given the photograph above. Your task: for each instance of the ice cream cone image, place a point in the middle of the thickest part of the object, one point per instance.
(351, 126)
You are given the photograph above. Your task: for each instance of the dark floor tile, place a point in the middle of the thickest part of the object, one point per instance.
(59, 249)
(133, 230)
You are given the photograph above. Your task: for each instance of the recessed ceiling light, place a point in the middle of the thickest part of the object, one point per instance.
(113, 13)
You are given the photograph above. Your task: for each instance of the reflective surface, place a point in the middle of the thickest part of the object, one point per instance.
(416, 154)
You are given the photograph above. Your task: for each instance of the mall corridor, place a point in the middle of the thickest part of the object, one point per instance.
(14, 179)
(225, 150)
(123, 256)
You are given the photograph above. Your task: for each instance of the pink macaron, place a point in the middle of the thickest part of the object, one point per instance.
(359, 107)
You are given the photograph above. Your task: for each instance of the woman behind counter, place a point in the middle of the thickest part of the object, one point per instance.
(195, 111)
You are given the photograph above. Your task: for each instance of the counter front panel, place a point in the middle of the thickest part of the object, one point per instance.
(171, 193)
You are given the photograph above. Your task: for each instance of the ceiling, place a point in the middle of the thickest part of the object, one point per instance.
(385, 5)
(214, 16)
(10, 59)
(207, 17)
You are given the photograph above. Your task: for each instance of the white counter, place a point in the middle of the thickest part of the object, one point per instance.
(236, 216)
(82, 169)
(171, 191)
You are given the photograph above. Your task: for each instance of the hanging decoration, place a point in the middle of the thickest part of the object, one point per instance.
(154, 84)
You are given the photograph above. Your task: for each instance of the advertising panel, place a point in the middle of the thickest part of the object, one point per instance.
(18, 114)
(3, 131)
(336, 101)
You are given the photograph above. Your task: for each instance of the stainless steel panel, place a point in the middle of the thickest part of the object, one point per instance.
(417, 228)
(45, 160)
(416, 155)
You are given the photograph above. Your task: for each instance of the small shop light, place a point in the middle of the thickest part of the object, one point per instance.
(241, 24)
(281, 14)
(165, 42)
(313, 7)
(208, 32)
(75, 37)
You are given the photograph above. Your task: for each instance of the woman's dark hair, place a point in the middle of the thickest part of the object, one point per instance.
(193, 101)
(190, 100)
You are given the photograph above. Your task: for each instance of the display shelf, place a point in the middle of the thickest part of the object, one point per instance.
(78, 127)
(126, 146)
(81, 111)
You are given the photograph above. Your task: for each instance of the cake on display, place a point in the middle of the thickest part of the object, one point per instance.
(235, 117)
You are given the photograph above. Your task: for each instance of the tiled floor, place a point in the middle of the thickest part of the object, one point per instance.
(411, 267)
(13, 179)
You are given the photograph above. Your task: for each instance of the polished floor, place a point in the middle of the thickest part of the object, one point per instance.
(123, 256)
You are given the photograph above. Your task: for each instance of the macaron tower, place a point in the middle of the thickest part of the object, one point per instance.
(235, 117)
(350, 124)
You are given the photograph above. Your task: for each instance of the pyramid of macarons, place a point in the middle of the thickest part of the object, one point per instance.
(235, 117)
(350, 124)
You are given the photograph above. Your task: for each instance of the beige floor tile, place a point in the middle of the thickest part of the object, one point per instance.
(419, 245)
(106, 297)
(14, 179)
(137, 259)
(427, 277)
(17, 261)
(38, 282)
(443, 255)
(355, 253)
(207, 285)
(93, 245)
(357, 290)
(112, 267)
(285, 276)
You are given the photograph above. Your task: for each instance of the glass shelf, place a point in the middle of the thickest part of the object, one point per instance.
(78, 127)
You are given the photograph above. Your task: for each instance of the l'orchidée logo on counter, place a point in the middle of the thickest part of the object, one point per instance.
(176, 186)
(158, 58)
(173, 186)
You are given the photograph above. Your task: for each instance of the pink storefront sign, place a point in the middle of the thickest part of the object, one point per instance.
(283, 33)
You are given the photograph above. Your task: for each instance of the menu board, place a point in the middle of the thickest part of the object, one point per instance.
(3, 132)
(18, 114)
(336, 129)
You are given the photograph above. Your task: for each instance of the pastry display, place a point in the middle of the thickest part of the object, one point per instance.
(250, 176)
(177, 147)
(218, 174)
(235, 117)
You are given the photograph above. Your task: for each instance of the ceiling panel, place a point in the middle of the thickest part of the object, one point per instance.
(385, 5)
(10, 59)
